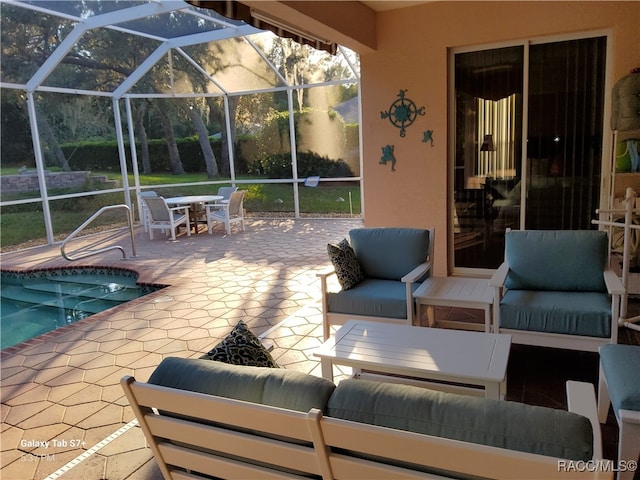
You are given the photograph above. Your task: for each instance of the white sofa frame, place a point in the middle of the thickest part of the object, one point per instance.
(334, 318)
(228, 438)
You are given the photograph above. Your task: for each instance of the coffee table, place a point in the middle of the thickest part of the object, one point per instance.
(449, 360)
(456, 292)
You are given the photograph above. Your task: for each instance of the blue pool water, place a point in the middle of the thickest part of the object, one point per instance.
(37, 302)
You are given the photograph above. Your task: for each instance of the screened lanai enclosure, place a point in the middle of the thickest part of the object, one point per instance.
(104, 100)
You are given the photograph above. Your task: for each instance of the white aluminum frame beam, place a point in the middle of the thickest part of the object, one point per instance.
(107, 19)
(187, 40)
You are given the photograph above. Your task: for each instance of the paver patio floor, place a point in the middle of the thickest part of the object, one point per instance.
(61, 395)
(63, 411)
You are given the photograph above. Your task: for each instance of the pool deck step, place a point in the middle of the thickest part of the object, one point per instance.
(112, 291)
(92, 305)
(88, 279)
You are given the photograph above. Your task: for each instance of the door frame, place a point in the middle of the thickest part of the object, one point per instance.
(607, 165)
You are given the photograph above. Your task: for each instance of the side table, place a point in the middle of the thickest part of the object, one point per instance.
(456, 292)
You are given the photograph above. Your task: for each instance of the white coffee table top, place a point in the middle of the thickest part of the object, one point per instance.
(450, 355)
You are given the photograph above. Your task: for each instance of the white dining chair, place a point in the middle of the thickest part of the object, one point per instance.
(161, 217)
(227, 213)
(225, 193)
(144, 211)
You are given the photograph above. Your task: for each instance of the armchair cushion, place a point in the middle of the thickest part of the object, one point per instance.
(555, 260)
(389, 253)
(574, 313)
(346, 264)
(377, 298)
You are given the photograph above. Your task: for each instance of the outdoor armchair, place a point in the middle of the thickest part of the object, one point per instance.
(554, 289)
(378, 270)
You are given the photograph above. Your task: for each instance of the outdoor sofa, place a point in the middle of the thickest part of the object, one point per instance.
(206, 418)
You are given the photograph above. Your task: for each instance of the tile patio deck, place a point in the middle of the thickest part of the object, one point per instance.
(64, 388)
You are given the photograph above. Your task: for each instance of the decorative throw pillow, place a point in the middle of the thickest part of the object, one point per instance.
(241, 347)
(346, 264)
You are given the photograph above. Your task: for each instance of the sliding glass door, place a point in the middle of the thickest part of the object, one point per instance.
(564, 148)
(528, 143)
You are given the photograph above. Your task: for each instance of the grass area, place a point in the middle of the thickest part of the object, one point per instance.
(14, 170)
(23, 225)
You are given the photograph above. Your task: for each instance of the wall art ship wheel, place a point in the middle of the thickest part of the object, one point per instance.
(402, 113)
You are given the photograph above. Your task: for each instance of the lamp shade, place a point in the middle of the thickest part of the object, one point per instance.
(487, 144)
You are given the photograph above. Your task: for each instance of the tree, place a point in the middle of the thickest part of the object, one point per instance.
(103, 58)
(15, 142)
(292, 59)
(27, 39)
(54, 147)
(217, 112)
(139, 114)
(172, 146)
(205, 145)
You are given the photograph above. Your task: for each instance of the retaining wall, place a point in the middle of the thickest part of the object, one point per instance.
(28, 181)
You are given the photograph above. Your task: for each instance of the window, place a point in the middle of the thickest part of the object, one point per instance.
(527, 151)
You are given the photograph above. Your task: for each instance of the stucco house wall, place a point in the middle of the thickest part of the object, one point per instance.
(412, 53)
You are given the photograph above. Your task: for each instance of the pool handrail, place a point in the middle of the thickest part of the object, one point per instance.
(106, 249)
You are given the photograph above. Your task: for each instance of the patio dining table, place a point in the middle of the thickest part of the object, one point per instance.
(193, 201)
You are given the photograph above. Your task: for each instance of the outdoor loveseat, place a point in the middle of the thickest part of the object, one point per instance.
(203, 417)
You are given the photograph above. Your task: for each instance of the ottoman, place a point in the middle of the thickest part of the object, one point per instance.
(619, 385)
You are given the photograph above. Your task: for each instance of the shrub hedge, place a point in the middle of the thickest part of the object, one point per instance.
(309, 164)
(103, 156)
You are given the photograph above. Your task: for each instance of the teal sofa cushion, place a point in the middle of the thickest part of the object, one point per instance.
(509, 425)
(621, 367)
(378, 298)
(573, 313)
(267, 386)
(567, 260)
(389, 253)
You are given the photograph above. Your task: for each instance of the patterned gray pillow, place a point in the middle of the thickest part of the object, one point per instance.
(346, 264)
(241, 347)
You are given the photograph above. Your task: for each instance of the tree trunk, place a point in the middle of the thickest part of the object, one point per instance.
(300, 98)
(172, 146)
(203, 136)
(219, 114)
(52, 141)
(144, 141)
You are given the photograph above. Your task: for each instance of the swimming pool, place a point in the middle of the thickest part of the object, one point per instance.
(36, 302)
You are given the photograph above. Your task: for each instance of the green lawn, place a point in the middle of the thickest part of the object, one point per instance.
(24, 224)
